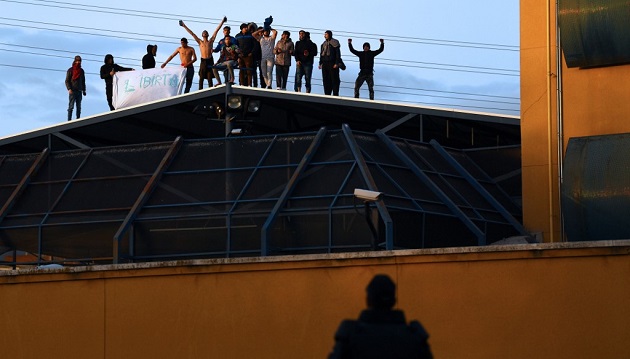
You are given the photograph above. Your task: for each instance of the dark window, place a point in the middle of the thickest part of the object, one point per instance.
(595, 32)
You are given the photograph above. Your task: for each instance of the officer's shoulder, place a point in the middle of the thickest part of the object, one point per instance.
(418, 329)
(346, 328)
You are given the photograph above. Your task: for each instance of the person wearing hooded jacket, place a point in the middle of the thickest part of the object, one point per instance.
(107, 73)
(329, 61)
(148, 61)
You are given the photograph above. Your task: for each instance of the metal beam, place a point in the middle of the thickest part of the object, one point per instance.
(145, 194)
(399, 122)
(481, 237)
(478, 187)
(32, 171)
(369, 180)
(40, 235)
(238, 200)
(306, 159)
(65, 188)
(71, 140)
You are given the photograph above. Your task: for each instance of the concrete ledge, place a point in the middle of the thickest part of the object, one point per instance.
(452, 254)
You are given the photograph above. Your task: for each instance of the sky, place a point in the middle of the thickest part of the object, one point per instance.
(454, 54)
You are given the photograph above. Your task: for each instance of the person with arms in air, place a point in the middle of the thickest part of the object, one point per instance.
(366, 65)
(267, 61)
(205, 49)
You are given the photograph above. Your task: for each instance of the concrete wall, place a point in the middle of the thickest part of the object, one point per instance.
(593, 101)
(528, 301)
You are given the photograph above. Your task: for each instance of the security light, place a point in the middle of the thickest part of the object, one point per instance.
(253, 106)
(366, 195)
(234, 102)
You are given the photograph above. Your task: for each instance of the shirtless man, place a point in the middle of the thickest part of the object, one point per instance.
(205, 48)
(188, 56)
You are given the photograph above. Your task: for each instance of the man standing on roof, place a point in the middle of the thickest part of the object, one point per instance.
(283, 50)
(75, 84)
(329, 59)
(366, 65)
(205, 48)
(267, 61)
(187, 56)
(246, 43)
(305, 51)
(107, 73)
(148, 61)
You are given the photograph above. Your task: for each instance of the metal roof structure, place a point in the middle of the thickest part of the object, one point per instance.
(237, 171)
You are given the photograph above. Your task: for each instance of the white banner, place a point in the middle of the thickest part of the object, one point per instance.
(137, 87)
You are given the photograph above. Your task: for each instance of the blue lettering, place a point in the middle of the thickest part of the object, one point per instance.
(128, 87)
(174, 81)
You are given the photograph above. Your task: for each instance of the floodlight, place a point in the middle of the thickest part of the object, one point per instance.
(367, 195)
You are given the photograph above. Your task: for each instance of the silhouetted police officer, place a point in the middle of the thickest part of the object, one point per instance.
(380, 331)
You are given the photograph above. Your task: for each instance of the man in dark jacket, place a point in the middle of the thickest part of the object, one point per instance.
(148, 61)
(329, 61)
(246, 43)
(107, 73)
(305, 51)
(381, 332)
(366, 65)
(75, 84)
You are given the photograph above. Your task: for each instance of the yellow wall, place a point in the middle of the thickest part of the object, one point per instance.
(546, 301)
(594, 102)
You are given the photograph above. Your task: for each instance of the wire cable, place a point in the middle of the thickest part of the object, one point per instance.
(157, 15)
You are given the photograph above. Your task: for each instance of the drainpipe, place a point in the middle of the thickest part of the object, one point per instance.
(549, 128)
(560, 118)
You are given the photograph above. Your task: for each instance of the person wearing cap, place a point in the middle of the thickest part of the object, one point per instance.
(380, 331)
(366, 66)
(187, 56)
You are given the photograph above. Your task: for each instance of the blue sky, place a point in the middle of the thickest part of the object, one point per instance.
(449, 53)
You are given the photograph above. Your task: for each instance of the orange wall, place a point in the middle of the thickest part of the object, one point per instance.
(594, 102)
(546, 301)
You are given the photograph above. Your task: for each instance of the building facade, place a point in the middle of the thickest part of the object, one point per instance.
(559, 102)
